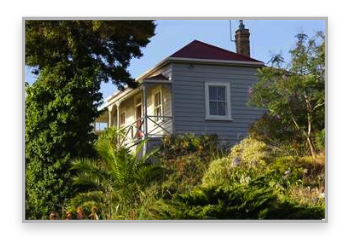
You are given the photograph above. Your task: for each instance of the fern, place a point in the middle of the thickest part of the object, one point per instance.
(116, 178)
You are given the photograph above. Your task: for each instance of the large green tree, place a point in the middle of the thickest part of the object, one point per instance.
(71, 59)
(106, 45)
(294, 96)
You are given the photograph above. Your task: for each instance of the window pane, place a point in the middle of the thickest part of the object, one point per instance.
(213, 93)
(218, 100)
(221, 93)
(213, 108)
(158, 113)
(222, 108)
(122, 119)
(157, 99)
(100, 126)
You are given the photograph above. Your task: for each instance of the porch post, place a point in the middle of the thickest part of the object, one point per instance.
(109, 117)
(118, 115)
(172, 109)
(145, 121)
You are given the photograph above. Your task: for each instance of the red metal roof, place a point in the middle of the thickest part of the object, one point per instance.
(199, 50)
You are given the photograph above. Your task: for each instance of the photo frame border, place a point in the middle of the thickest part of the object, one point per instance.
(167, 229)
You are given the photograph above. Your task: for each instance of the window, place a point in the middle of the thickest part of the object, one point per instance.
(99, 126)
(138, 107)
(122, 118)
(218, 101)
(157, 98)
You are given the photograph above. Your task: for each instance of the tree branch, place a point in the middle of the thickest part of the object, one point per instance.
(317, 106)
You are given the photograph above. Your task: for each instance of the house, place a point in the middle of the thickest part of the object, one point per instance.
(200, 89)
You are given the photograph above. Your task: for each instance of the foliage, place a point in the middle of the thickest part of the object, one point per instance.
(71, 58)
(295, 96)
(58, 128)
(106, 45)
(251, 153)
(321, 140)
(186, 158)
(314, 171)
(252, 182)
(182, 174)
(218, 173)
(261, 186)
(235, 202)
(270, 130)
(115, 179)
(206, 146)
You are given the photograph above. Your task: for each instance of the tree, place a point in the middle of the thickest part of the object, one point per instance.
(105, 45)
(72, 58)
(294, 96)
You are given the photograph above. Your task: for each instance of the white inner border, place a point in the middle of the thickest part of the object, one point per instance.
(321, 16)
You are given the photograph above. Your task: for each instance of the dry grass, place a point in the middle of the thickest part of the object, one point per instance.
(307, 195)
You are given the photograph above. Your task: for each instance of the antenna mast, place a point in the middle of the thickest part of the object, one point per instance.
(232, 40)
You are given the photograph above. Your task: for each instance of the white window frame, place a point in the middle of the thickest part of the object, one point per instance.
(154, 92)
(228, 116)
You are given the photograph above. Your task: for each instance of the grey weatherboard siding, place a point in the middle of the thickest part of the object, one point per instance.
(189, 100)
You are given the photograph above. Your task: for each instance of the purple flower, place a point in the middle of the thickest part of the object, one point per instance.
(250, 90)
(236, 161)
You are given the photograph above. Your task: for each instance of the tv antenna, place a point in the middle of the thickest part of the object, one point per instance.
(231, 38)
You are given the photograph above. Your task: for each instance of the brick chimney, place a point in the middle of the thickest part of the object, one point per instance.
(242, 40)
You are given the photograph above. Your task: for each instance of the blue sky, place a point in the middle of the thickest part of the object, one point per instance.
(267, 37)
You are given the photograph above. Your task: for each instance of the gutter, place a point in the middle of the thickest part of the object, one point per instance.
(193, 60)
(210, 61)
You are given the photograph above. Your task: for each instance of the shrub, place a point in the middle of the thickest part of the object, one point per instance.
(253, 182)
(321, 140)
(234, 202)
(285, 172)
(219, 172)
(250, 153)
(285, 139)
(314, 170)
(186, 158)
(183, 173)
(206, 146)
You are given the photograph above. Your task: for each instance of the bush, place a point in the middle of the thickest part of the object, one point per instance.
(259, 185)
(234, 202)
(321, 140)
(183, 173)
(206, 146)
(252, 159)
(314, 170)
(250, 153)
(219, 172)
(186, 158)
(285, 139)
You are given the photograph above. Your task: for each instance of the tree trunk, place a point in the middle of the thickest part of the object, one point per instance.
(312, 148)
